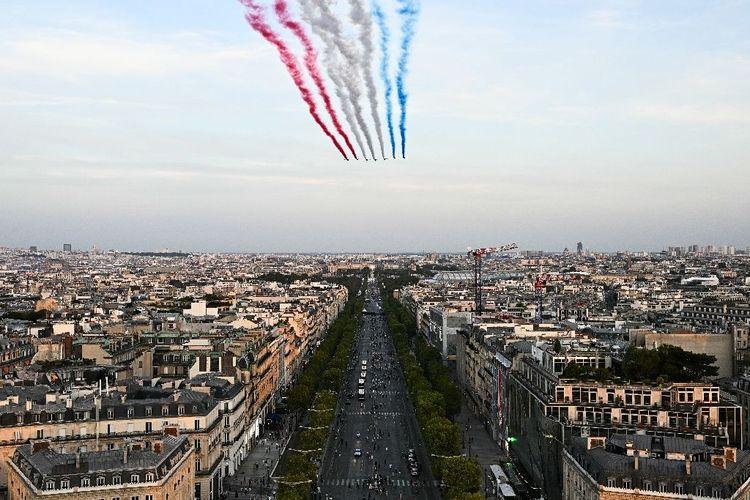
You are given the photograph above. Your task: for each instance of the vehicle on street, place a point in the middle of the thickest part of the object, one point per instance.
(357, 452)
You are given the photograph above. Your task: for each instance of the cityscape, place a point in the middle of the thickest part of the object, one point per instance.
(374, 250)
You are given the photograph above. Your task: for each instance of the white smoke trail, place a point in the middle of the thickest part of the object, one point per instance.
(327, 27)
(360, 17)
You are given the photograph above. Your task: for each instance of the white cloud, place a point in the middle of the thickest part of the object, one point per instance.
(70, 55)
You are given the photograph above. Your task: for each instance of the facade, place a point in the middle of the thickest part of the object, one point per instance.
(161, 469)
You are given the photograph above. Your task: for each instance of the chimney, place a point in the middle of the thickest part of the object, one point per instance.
(171, 430)
(39, 445)
(176, 395)
(69, 402)
(125, 452)
(157, 447)
(688, 465)
(636, 463)
(78, 460)
(629, 448)
(29, 404)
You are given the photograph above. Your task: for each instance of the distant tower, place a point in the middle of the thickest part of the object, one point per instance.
(67, 247)
(579, 248)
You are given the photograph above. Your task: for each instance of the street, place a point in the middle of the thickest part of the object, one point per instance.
(375, 444)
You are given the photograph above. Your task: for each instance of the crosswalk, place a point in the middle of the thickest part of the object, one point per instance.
(355, 483)
(379, 413)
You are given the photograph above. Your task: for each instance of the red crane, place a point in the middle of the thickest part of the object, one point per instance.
(477, 253)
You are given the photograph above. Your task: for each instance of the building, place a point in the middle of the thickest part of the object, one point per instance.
(67, 247)
(161, 469)
(649, 468)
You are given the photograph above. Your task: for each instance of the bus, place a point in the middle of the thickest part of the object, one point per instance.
(361, 383)
(501, 484)
(361, 394)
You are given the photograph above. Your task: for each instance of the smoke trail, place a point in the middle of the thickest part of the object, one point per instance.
(385, 36)
(311, 56)
(335, 72)
(329, 24)
(257, 21)
(360, 17)
(409, 9)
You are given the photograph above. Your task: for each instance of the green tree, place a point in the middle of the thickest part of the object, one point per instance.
(441, 436)
(461, 476)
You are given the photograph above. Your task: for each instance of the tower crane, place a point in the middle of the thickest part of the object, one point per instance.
(477, 254)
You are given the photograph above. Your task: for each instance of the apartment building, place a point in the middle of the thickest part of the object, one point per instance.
(161, 469)
(642, 467)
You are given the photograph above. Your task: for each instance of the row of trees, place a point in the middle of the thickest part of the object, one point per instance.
(316, 393)
(666, 363)
(436, 399)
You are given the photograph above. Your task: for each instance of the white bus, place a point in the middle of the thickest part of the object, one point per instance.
(502, 487)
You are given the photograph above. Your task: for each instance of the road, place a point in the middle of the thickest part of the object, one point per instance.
(385, 422)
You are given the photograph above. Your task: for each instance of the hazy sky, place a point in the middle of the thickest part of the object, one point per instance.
(149, 124)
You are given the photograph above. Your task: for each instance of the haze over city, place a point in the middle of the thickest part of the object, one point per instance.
(149, 125)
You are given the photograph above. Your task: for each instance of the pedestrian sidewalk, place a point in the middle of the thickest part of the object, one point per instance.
(253, 477)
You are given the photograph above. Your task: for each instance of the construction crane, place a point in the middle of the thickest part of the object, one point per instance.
(477, 254)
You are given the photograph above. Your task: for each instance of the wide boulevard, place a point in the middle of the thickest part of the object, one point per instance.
(375, 450)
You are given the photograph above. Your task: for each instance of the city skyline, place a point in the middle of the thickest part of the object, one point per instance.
(173, 125)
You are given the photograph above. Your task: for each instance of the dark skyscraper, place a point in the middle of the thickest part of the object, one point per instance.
(67, 247)
(579, 248)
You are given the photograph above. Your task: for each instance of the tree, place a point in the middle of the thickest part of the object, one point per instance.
(558, 346)
(461, 476)
(441, 436)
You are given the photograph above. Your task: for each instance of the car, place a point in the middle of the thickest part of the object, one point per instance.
(357, 452)
(414, 471)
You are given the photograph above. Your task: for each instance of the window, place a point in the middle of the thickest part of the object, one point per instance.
(679, 488)
(84, 431)
(662, 487)
(65, 484)
(181, 410)
(699, 491)
(149, 477)
(134, 478)
(715, 492)
(131, 412)
(647, 485)
(626, 483)
(198, 465)
(197, 424)
(135, 497)
(100, 481)
(116, 480)
(197, 444)
(611, 482)
(50, 485)
(148, 411)
(149, 497)
(110, 413)
(148, 427)
(85, 482)
(40, 433)
(165, 410)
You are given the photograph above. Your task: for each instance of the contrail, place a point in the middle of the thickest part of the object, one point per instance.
(385, 36)
(311, 56)
(360, 17)
(328, 23)
(256, 18)
(335, 72)
(408, 9)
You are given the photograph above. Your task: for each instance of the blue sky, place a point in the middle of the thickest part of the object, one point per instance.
(145, 125)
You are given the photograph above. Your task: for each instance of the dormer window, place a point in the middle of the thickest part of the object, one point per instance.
(180, 410)
(134, 478)
(100, 481)
(165, 410)
(149, 477)
(110, 413)
(148, 411)
(85, 481)
(116, 480)
(50, 484)
(65, 484)
(131, 412)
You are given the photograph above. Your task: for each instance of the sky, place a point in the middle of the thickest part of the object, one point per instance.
(145, 125)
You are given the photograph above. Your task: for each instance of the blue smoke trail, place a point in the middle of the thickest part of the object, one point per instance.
(385, 35)
(408, 9)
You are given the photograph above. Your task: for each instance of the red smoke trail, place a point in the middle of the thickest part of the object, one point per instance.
(311, 56)
(256, 19)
